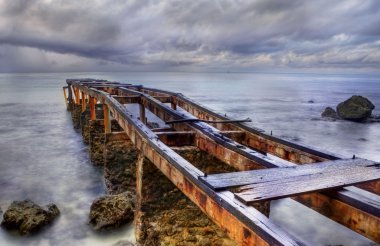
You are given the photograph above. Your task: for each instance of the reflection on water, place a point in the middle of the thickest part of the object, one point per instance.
(44, 159)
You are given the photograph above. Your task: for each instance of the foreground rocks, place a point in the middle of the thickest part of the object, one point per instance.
(112, 211)
(27, 217)
(356, 108)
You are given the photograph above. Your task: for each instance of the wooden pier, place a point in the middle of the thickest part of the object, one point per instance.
(268, 167)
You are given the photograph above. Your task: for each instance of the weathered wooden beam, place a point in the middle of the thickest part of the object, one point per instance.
(283, 174)
(206, 121)
(183, 138)
(300, 180)
(163, 129)
(127, 99)
(142, 113)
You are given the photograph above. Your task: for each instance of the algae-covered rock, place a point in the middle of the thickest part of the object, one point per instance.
(356, 108)
(329, 113)
(27, 217)
(111, 211)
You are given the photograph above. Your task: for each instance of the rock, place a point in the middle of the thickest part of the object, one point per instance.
(27, 217)
(356, 108)
(310, 101)
(329, 113)
(111, 211)
(123, 243)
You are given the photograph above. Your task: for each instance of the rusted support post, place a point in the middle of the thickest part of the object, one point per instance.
(76, 96)
(83, 102)
(173, 105)
(107, 119)
(142, 114)
(92, 108)
(65, 96)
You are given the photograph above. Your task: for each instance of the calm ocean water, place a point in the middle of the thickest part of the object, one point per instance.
(43, 158)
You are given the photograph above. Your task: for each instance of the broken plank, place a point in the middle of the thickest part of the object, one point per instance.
(234, 179)
(306, 183)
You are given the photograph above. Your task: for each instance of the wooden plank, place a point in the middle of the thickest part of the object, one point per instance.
(229, 180)
(275, 188)
(182, 138)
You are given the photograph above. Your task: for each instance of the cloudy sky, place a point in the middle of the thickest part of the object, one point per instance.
(198, 35)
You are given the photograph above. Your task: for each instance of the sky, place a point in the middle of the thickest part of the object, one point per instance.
(190, 36)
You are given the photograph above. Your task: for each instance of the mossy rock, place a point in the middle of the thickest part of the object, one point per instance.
(27, 217)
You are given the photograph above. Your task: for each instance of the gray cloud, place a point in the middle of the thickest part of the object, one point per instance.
(196, 35)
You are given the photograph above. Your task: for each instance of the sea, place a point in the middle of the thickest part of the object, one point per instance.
(44, 159)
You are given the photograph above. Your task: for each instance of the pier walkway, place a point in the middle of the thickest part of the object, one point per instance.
(266, 167)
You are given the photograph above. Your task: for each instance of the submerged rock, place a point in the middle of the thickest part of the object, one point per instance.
(123, 243)
(356, 108)
(329, 113)
(27, 217)
(112, 211)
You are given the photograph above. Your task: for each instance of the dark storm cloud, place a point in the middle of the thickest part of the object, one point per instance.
(199, 34)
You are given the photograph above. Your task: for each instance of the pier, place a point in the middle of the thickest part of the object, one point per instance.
(250, 167)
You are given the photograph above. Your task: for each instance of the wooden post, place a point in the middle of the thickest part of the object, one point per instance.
(174, 106)
(83, 102)
(107, 120)
(92, 102)
(65, 96)
(142, 114)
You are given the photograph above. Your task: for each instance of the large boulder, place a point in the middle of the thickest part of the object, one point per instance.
(112, 211)
(329, 113)
(27, 217)
(356, 108)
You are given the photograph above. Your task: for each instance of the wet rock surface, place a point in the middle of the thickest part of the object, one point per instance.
(329, 113)
(76, 112)
(119, 164)
(85, 124)
(123, 243)
(356, 108)
(96, 141)
(27, 217)
(181, 223)
(112, 211)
